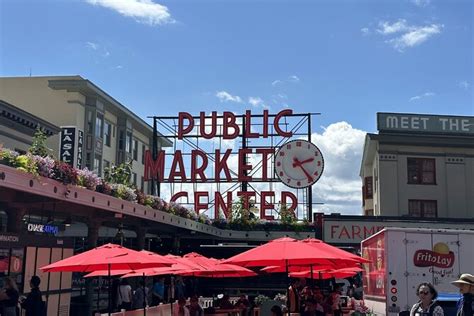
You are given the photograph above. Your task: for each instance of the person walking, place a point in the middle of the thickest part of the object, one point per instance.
(158, 292)
(33, 303)
(293, 296)
(140, 300)
(465, 305)
(125, 295)
(427, 305)
(9, 298)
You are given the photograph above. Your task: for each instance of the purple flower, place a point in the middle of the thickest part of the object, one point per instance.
(45, 165)
(88, 179)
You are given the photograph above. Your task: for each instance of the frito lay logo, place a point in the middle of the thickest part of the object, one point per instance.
(440, 257)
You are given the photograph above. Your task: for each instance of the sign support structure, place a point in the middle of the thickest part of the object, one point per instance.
(209, 147)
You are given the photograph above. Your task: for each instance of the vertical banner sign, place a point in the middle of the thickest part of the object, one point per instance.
(71, 144)
(68, 145)
(80, 142)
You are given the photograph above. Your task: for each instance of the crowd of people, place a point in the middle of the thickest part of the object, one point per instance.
(303, 299)
(312, 301)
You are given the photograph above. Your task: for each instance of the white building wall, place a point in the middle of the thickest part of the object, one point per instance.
(453, 191)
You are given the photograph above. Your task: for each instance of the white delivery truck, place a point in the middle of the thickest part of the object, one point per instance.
(402, 258)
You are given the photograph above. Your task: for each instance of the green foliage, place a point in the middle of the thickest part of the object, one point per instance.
(260, 299)
(38, 147)
(26, 163)
(120, 174)
(241, 218)
(287, 216)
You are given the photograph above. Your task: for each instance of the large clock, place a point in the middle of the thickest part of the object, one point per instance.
(299, 164)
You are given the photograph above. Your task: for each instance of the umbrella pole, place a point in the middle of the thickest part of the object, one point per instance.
(312, 280)
(110, 288)
(288, 288)
(144, 295)
(320, 279)
(98, 295)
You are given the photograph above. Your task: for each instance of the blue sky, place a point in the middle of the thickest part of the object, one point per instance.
(345, 59)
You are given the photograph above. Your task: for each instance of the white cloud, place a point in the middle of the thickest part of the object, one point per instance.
(119, 67)
(365, 31)
(256, 102)
(421, 96)
(421, 3)
(293, 78)
(464, 84)
(415, 36)
(92, 45)
(143, 11)
(407, 35)
(276, 82)
(225, 96)
(386, 28)
(340, 186)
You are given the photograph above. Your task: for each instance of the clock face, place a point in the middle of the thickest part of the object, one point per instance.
(299, 164)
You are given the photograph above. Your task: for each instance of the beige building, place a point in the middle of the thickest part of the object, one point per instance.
(97, 130)
(419, 166)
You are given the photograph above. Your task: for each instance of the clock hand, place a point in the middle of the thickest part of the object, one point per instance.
(297, 163)
(306, 161)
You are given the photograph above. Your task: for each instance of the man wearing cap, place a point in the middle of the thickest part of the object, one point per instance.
(465, 305)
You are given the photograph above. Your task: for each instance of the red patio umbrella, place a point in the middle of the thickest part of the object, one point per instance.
(107, 258)
(287, 252)
(215, 268)
(281, 269)
(327, 274)
(342, 253)
(101, 273)
(176, 269)
(186, 262)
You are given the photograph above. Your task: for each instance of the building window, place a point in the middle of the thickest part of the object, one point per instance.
(88, 161)
(107, 133)
(143, 154)
(135, 149)
(142, 184)
(97, 167)
(89, 122)
(121, 140)
(134, 179)
(369, 193)
(128, 143)
(106, 165)
(98, 125)
(421, 171)
(363, 195)
(423, 208)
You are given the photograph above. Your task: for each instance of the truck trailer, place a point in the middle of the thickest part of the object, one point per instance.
(402, 258)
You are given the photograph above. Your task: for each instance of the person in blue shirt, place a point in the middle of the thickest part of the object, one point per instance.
(465, 305)
(158, 292)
